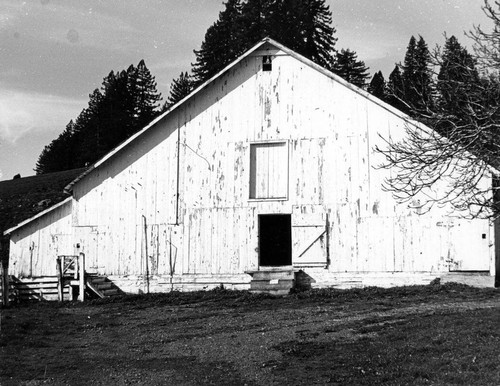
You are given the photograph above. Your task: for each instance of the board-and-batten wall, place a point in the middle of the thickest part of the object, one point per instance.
(34, 247)
(127, 209)
(330, 132)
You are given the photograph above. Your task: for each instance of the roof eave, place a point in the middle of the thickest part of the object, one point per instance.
(38, 215)
(281, 47)
(110, 154)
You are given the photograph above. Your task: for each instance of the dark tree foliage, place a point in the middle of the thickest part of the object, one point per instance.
(448, 161)
(126, 102)
(87, 132)
(395, 90)
(179, 89)
(458, 77)
(377, 86)
(302, 25)
(423, 76)
(222, 43)
(465, 102)
(348, 67)
(143, 89)
(116, 112)
(58, 154)
(417, 77)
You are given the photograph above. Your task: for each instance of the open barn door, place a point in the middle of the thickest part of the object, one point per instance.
(274, 240)
(309, 239)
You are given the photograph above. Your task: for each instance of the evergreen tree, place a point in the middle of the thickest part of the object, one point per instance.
(118, 108)
(255, 20)
(459, 143)
(302, 25)
(396, 90)
(58, 155)
(305, 27)
(350, 68)
(222, 43)
(377, 86)
(126, 102)
(146, 98)
(416, 75)
(179, 88)
(457, 78)
(87, 131)
(424, 84)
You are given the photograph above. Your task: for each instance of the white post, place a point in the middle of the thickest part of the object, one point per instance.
(81, 269)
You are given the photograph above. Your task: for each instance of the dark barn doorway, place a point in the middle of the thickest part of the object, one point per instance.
(275, 240)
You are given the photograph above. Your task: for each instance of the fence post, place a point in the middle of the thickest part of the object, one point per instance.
(81, 271)
(5, 285)
(60, 283)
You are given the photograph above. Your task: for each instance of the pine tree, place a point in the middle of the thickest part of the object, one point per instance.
(416, 75)
(126, 102)
(179, 88)
(58, 155)
(302, 25)
(350, 68)
(142, 87)
(305, 27)
(377, 86)
(88, 131)
(222, 43)
(457, 78)
(396, 90)
(424, 82)
(255, 20)
(117, 114)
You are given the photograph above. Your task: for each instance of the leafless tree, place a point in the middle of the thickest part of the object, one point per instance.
(448, 157)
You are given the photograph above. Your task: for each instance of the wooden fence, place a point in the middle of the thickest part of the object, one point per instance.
(32, 289)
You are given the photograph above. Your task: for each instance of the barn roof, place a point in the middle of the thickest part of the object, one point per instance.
(266, 44)
(23, 198)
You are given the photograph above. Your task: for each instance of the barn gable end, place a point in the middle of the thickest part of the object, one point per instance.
(264, 168)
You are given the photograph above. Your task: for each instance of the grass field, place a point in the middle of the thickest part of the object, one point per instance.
(438, 334)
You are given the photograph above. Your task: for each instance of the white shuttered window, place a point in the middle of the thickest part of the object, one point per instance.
(269, 170)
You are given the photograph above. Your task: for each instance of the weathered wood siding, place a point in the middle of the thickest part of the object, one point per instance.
(178, 200)
(34, 247)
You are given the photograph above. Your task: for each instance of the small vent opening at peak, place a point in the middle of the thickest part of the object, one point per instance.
(267, 64)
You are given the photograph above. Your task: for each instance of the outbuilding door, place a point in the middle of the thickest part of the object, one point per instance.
(275, 240)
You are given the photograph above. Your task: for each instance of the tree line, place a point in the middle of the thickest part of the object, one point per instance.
(129, 99)
(454, 92)
(125, 103)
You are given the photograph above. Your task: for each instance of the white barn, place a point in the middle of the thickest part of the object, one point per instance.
(257, 170)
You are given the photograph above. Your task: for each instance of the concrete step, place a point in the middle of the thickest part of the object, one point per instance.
(273, 292)
(267, 285)
(270, 275)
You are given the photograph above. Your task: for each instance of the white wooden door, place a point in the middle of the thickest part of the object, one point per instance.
(469, 245)
(309, 240)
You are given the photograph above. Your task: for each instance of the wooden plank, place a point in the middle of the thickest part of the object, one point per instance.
(59, 279)
(81, 276)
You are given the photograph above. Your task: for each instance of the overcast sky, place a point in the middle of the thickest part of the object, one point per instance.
(54, 53)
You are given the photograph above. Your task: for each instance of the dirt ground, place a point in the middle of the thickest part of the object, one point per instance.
(437, 334)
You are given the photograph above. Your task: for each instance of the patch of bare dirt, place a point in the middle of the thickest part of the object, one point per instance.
(409, 335)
